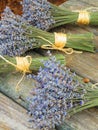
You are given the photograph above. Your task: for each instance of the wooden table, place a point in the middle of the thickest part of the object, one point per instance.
(13, 105)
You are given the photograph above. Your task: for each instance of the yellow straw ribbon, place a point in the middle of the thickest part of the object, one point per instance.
(60, 43)
(84, 17)
(22, 65)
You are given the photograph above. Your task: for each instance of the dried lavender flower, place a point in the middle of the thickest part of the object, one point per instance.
(57, 91)
(12, 39)
(38, 13)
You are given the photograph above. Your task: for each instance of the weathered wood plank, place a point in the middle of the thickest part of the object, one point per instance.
(85, 121)
(84, 64)
(8, 83)
(80, 4)
(90, 2)
(12, 116)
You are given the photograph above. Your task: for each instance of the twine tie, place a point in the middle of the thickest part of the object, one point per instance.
(60, 43)
(22, 65)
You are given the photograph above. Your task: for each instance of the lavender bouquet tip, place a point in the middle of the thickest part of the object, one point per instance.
(58, 93)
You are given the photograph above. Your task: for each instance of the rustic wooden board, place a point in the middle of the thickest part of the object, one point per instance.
(12, 116)
(8, 83)
(90, 2)
(85, 120)
(85, 65)
(80, 4)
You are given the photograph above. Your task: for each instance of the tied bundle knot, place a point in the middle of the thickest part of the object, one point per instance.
(60, 44)
(22, 65)
(84, 17)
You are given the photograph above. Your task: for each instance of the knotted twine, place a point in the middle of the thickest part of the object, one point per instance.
(84, 17)
(22, 65)
(60, 43)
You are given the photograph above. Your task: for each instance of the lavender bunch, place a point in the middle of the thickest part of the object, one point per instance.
(12, 40)
(44, 15)
(58, 94)
(38, 13)
(6, 67)
(17, 36)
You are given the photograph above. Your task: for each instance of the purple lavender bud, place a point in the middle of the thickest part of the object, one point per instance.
(12, 39)
(37, 13)
(54, 95)
(81, 102)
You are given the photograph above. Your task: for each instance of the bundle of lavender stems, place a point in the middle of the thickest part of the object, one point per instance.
(58, 94)
(44, 15)
(7, 63)
(18, 36)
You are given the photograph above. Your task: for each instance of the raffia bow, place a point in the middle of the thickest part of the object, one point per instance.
(60, 43)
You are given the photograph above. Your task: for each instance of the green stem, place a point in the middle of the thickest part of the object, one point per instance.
(63, 16)
(87, 105)
(35, 64)
(90, 100)
(82, 42)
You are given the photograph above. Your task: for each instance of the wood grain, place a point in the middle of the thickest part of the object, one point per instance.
(12, 116)
(85, 65)
(85, 120)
